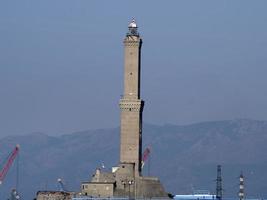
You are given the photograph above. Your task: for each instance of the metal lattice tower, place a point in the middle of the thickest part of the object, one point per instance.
(219, 183)
(241, 193)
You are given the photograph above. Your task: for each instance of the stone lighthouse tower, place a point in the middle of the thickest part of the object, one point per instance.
(130, 104)
(126, 180)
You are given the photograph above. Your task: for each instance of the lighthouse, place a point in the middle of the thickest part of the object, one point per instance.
(126, 179)
(131, 105)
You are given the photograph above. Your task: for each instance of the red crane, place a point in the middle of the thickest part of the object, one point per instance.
(8, 164)
(145, 156)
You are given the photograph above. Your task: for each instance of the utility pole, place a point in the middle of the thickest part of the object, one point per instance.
(219, 183)
(241, 193)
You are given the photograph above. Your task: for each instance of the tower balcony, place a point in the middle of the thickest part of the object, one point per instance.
(131, 105)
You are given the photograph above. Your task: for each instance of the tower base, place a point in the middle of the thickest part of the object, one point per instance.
(123, 183)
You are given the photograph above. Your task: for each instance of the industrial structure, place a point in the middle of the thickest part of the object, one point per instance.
(4, 170)
(219, 183)
(8, 163)
(145, 156)
(241, 193)
(126, 180)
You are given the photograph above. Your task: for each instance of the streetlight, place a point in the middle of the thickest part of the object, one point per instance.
(123, 182)
(130, 183)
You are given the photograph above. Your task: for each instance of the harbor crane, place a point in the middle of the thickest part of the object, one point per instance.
(145, 156)
(8, 163)
(5, 169)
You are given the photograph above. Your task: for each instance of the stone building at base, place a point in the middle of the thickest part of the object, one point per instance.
(116, 184)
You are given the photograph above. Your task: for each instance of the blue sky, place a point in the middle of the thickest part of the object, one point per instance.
(61, 62)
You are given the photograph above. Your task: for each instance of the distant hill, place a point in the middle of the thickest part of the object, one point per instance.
(184, 157)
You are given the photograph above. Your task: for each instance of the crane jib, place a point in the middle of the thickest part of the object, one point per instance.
(8, 164)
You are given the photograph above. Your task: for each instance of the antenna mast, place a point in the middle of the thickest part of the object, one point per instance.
(219, 183)
(241, 193)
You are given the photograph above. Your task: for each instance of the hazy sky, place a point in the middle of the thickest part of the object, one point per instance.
(61, 62)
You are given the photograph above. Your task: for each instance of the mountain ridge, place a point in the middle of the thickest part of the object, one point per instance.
(183, 157)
